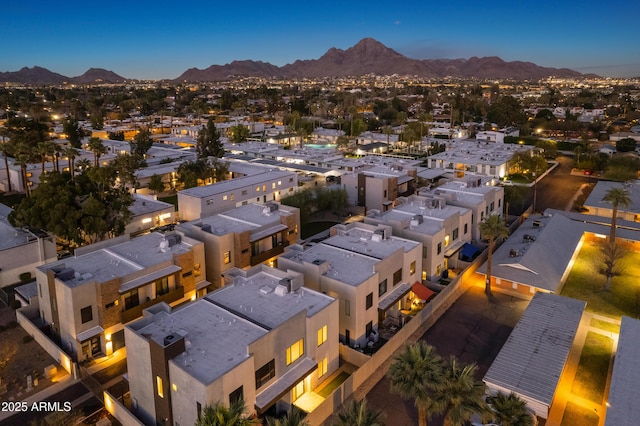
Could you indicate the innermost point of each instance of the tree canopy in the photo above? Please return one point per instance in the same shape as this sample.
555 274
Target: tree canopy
208 142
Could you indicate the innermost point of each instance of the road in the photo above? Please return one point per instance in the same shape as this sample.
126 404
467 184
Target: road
556 190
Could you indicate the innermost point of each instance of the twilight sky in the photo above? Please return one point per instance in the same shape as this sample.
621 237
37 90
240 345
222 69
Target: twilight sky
161 39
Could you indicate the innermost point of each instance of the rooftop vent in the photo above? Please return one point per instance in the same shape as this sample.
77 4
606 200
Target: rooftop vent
171 338
206 227
66 274
281 290
174 239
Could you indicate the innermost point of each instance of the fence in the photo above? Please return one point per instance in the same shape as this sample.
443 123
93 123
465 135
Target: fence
23 316
422 320
119 411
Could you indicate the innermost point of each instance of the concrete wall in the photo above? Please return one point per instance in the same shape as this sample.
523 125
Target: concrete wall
119 411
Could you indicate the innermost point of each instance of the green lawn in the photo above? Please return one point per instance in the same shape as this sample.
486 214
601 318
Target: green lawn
593 368
586 282
172 199
576 415
605 325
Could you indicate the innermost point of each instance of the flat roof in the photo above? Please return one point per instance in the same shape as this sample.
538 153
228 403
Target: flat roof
624 392
532 359
478 152
345 266
362 241
233 184
255 298
215 340
142 206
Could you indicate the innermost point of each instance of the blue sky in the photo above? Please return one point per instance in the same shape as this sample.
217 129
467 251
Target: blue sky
161 39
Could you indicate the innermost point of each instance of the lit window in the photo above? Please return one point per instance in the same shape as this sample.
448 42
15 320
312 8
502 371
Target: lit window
227 257
279 182
159 386
446 240
174 387
257 189
322 367
146 220
233 197
196 270
273 185
264 188
322 335
295 351
224 198
412 268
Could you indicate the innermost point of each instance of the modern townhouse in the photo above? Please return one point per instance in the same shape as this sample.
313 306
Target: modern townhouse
86 299
369 271
442 229
263 338
244 236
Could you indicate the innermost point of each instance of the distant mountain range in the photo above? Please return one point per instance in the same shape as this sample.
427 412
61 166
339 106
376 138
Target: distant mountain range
367 57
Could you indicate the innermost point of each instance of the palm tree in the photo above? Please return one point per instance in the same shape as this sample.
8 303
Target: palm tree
492 228
45 150
71 153
83 164
510 410
95 145
617 197
219 415
356 413
458 395
295 417
22 160
415 372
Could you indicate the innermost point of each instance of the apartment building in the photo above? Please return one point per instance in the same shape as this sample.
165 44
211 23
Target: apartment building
202 201
22 249
474 193
263 338
147 213
597 206
244 236
86 299
441 229
369 271
377 187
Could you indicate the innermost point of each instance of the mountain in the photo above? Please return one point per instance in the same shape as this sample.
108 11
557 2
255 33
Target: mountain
35 75
98 75
368 56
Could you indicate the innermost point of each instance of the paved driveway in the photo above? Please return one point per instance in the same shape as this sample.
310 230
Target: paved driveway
473 330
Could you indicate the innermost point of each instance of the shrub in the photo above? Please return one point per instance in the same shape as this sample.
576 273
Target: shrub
25 277
15 304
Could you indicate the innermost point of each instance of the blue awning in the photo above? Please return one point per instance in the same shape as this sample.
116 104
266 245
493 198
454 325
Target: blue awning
468 252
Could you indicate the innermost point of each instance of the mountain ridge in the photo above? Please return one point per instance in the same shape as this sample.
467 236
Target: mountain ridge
368 56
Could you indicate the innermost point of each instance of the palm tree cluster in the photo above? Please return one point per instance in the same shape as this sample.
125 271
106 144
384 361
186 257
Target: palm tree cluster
611 252
447 387
492 228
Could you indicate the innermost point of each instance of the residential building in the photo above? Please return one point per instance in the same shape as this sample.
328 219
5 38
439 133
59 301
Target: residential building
597 206
377 187
263 338
147 213
86 299
476 157
244 236
474 193
624 394
369 271
22 249
533 358
202 201
441 229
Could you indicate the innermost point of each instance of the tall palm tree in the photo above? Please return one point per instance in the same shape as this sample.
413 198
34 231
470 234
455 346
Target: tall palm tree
356 413
22 160
220 415
510 410
492 228
95 145
295 417
45 150
617 196
415 372
459 395
71 153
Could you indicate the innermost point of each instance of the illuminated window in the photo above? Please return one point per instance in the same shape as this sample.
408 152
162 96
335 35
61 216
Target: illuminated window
227 257
322 335
257 189
273 185
264 188
412 268
159 386
446 240
295 351
233 197
279 182
174 387
224 198
196 270
322 367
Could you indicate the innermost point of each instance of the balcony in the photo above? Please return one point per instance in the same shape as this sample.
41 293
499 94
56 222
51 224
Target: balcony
265 255
135 312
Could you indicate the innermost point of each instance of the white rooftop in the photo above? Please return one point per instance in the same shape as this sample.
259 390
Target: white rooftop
366 242
215 340
233 184
601 188
478 152
257 298
532 359
624 393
